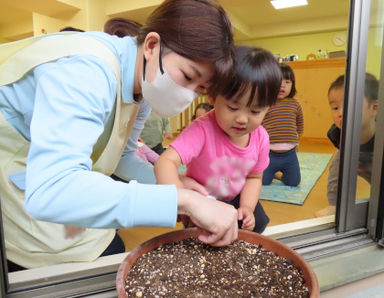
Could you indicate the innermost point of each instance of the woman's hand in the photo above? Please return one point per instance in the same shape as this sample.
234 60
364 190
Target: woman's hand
216 220
168 136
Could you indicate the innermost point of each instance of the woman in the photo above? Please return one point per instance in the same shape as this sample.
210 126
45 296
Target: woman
66 115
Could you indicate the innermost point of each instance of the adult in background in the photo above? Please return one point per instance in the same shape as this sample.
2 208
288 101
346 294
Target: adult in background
156 129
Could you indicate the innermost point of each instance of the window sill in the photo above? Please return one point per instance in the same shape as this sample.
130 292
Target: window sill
332 271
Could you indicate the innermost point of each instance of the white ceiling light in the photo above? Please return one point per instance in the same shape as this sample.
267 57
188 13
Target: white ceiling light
279 4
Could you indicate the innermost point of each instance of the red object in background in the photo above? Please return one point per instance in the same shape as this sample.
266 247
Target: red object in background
43 31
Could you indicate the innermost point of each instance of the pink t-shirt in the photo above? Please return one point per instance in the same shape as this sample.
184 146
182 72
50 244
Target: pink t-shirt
215 162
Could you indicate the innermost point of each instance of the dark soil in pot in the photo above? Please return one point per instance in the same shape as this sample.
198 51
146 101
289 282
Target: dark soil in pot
182 266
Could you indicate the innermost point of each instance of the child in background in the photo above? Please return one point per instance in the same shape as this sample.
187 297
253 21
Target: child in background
201 109
284 123
226 150
146 153
367 136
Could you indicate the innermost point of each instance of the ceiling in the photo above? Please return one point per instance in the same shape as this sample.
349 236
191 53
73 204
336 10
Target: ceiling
12 11
251 18
258 18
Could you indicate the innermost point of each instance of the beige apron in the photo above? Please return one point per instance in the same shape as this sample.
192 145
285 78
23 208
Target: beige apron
29 242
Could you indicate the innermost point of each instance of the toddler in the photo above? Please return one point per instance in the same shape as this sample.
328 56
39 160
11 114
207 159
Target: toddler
226 150
367 136
146 153
284 123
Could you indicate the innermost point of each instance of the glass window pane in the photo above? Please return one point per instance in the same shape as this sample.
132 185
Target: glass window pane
370 102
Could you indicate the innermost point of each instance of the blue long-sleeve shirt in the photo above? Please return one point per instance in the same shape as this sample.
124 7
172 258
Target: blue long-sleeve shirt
61 107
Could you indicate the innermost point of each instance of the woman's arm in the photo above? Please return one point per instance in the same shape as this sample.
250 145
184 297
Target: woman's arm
130 166
66 123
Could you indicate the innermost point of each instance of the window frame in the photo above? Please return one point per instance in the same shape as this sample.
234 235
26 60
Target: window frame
352 214
376 206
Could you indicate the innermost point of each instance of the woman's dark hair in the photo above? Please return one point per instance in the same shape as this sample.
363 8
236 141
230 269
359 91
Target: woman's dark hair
203 105
199 30
122 27
255 69
288 74
69 28
371 89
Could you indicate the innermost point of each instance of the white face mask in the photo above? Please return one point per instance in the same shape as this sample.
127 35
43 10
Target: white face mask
164 96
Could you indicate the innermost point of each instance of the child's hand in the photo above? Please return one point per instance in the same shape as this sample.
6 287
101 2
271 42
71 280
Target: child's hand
168 136
186 220
192 184
246 215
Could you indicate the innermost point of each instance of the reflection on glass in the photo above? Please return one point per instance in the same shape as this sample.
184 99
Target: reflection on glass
369 110
370 103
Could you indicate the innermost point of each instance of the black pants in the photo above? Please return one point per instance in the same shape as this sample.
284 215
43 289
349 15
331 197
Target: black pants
115 247
158 148
287 163
261 218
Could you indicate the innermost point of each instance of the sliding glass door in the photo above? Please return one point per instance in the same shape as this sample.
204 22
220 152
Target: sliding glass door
361 104
375 58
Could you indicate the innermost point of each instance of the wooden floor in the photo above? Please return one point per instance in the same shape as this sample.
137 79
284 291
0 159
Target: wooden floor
279 213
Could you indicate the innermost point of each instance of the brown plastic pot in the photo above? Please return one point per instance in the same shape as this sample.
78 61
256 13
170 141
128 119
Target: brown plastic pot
268 243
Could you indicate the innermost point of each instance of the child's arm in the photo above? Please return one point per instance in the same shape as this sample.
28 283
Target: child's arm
166 171
248 200
298 142
151 155
166 168
299 124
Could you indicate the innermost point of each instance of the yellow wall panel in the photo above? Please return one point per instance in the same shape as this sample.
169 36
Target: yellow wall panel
301 44
313 79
